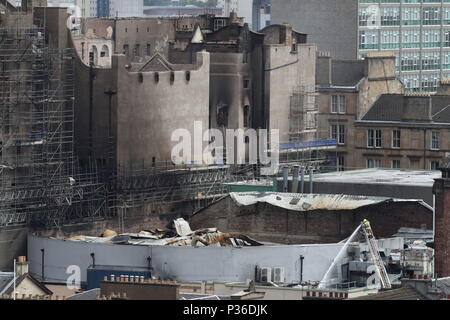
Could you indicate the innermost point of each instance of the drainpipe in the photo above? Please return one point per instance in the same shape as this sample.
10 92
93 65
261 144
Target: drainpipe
311 180
301 268
295 179
91 104
93 259
285 179
149 264
424 149
43 264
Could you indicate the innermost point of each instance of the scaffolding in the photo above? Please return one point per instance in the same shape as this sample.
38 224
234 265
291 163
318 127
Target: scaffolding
38 180
309 148
304 110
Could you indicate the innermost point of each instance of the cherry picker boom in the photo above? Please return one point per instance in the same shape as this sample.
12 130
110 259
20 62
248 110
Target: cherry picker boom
375 253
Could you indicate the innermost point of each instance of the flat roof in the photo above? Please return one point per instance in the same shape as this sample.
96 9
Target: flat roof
381 176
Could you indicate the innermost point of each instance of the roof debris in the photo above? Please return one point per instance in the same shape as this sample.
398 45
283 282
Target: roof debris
181 236
309 202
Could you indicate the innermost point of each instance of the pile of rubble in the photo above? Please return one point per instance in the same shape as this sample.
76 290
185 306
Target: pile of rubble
180 235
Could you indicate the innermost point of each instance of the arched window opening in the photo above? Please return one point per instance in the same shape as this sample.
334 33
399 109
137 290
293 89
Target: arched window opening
105 52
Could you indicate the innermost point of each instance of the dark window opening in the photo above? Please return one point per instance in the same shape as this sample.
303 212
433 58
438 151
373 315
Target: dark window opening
156 77
125 49
246 116
245 57
294 47
188 75
137 50
172 77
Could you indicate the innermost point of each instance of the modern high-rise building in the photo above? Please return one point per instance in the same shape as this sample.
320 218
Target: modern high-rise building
417 31
103 8
69 4
126 8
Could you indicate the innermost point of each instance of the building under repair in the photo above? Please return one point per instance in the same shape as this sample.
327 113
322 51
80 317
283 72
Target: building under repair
40 184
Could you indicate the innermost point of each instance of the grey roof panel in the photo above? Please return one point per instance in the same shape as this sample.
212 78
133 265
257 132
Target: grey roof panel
6 279
86 295
389 107
346 72
395 294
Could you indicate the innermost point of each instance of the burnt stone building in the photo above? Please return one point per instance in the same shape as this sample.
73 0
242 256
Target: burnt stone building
255 77
310 218
236 74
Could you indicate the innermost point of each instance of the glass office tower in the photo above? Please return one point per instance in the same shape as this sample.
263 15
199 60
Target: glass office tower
418 31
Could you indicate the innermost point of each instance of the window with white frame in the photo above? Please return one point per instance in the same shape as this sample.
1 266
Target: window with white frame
337 132
434 165
395 164
338 104
374 138
435 140
396 137
373 163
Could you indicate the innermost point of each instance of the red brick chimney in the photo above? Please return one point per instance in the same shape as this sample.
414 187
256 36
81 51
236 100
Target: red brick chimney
441 190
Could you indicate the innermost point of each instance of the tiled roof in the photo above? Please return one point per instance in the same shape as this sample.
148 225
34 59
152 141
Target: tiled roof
389 107
444 285
86 295
346 73
198 296
394 294
5 281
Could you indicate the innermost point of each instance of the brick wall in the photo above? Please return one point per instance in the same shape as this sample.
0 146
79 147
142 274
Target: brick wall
442 228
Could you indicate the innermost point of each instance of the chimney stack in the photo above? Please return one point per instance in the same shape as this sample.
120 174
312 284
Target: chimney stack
22 266
441 190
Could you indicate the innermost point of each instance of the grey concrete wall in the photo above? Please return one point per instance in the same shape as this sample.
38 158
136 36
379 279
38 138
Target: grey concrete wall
331 24
181 263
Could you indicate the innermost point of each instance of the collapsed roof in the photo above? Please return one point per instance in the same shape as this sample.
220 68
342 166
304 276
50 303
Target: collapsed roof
309 202
181 236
